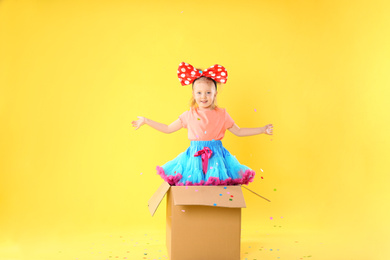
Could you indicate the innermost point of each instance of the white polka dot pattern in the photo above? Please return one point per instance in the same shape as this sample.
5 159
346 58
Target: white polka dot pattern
187 71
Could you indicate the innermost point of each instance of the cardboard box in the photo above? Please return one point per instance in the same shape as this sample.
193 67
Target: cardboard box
203 222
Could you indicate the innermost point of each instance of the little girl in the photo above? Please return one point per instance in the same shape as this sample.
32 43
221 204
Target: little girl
206 161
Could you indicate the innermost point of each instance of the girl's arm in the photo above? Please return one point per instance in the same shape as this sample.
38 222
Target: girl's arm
268 129
175 126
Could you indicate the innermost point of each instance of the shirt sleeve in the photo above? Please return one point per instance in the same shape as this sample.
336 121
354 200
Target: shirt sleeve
184 119
229 122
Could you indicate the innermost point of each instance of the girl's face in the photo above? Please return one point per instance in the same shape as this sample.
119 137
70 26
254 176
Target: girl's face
204 93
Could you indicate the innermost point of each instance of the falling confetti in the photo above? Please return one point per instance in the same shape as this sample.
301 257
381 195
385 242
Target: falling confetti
271 218
261 170
205 132
255 109
183 210
274 189
198 118
220 194
215 204
262 177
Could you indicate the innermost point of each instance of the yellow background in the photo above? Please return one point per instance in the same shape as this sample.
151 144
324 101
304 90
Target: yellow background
75 177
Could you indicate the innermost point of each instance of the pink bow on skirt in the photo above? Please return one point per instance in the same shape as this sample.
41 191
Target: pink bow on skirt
206 155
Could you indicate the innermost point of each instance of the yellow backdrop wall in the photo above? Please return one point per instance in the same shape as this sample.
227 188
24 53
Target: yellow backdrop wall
74 74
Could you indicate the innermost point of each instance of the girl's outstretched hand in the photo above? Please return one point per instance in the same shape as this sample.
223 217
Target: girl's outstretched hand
269 129
137 124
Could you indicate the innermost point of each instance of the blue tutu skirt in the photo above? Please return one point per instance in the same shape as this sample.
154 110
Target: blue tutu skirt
222 167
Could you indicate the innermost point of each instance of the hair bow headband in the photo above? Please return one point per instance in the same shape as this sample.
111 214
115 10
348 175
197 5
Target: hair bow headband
187 73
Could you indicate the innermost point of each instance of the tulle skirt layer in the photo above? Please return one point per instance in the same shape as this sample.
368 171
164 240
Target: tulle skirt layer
222 169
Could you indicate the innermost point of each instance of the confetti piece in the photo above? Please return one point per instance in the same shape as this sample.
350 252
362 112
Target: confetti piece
220 194
271 218
141 173
196 190
215 204
231 196
198 118
231 199
228 192
274 189
225 188
255 109
205 132
189 176
261 170
183 210
262 177
211 167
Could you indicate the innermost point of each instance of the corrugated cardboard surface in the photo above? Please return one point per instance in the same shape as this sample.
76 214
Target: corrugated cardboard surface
203 222
202 232
216 196
157 197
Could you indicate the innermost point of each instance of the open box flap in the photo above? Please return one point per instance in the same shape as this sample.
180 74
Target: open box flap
219 196
256 193
157 197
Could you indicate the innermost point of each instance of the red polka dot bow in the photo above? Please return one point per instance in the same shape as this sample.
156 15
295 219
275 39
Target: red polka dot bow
187 73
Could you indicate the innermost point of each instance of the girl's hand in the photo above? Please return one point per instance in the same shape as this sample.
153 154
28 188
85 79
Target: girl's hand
268 129
141 121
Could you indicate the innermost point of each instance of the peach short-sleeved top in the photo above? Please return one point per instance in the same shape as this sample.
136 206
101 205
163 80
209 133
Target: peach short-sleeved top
206 125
